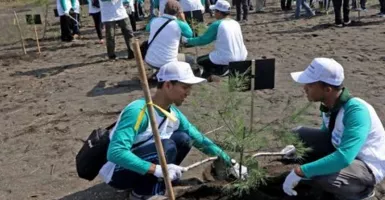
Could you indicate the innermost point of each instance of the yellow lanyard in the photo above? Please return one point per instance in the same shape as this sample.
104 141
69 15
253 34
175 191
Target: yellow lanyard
143 111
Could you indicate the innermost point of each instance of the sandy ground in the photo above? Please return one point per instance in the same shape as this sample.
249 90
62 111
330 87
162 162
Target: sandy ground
49 103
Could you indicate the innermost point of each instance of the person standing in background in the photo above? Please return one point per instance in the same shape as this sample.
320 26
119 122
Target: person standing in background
64 7
299 5
139 10
113 12
286 5
193 9
242 4
129 5
382 9
75 26
94 11
337 4
362 5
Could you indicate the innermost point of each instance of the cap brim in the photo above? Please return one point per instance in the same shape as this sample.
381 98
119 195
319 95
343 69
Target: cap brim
193 80
212 7
301 77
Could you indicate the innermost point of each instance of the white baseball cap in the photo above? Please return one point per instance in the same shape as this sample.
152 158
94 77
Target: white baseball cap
321 69
178 71
221 5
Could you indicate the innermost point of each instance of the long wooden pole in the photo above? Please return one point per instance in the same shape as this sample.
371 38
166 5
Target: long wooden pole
37 40
252 95
154 125
21 35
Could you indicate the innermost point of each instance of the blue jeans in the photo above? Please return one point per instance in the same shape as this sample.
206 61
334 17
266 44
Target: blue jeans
176 148
302 3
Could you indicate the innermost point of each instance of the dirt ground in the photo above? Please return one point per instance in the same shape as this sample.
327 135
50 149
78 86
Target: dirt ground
48 103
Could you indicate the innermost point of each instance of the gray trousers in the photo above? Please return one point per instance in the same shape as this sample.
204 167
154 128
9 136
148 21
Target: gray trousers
125 27
351 183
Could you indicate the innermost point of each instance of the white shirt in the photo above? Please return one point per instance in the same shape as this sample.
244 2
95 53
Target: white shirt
162 5
164 48
68 5
191 5
373 151
229 44
112 11
92 9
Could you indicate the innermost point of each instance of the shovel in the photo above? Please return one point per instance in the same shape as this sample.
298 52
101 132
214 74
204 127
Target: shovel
288 151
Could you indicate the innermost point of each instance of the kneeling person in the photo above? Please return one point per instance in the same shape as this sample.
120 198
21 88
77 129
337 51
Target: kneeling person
228 38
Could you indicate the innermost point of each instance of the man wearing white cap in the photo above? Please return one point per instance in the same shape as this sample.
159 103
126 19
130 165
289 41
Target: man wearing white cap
228 38
132 156
348 151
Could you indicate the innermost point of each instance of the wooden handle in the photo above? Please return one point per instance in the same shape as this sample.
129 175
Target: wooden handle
154 125
21 35
37 41
252 96
200 162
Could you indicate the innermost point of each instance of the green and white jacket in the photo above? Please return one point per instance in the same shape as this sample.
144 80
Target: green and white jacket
358 134
64 6
164 48
124 135
228 38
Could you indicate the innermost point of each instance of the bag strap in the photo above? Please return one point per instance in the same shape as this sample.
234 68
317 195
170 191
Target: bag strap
142 142
111 126
333 117
334 113
158 31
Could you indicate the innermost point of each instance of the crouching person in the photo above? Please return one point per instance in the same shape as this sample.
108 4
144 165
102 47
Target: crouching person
165 45
133 162
228 38
348 151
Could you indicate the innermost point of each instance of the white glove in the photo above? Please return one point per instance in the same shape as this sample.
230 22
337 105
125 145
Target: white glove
67 13
174 171
235 170
184 40
290 182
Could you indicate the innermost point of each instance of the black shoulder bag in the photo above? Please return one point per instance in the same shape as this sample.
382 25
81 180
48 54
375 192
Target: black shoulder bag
145 45
93 154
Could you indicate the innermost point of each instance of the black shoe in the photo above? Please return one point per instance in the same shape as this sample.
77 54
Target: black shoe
347 23
130 55
113 57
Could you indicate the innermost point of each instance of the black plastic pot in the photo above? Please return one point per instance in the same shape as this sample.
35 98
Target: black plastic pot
56 12
33 19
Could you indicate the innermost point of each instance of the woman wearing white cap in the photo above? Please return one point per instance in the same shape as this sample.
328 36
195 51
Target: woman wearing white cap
348 151
133 162
228 38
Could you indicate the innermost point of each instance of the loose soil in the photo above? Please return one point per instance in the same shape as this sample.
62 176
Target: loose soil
48 103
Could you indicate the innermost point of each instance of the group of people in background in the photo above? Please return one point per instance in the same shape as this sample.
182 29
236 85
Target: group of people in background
108 14
341 9
165 46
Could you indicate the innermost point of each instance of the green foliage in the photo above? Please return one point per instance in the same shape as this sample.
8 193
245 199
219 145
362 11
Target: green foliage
198 27
230 107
